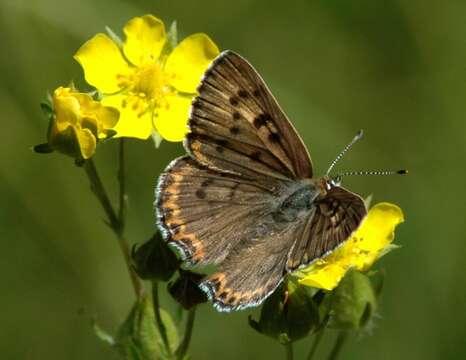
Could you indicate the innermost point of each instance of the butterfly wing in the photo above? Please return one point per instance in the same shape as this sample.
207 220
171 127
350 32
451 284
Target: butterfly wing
205 213
332 221
237 125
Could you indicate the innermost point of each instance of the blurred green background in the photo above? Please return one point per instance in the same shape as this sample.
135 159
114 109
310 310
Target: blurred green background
396 69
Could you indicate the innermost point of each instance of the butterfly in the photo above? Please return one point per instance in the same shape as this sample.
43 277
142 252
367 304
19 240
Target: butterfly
245 197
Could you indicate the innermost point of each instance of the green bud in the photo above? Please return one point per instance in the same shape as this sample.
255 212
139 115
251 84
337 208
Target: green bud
139 338
185 290
154 260
352 303
288 314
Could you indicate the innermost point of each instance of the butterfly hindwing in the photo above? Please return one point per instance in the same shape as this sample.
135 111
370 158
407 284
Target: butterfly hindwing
237 125
332 221
253 270
205 213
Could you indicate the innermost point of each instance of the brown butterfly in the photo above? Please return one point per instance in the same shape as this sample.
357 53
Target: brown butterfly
245 198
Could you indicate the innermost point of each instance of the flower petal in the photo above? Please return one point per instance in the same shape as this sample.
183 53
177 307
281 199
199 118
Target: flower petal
145 38
66 108
102 62
130 124
326 277
189 60
87 143
106 117
171 120
377 229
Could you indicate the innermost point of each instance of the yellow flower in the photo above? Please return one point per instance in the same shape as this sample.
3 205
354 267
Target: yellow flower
78 123
149 87
370 241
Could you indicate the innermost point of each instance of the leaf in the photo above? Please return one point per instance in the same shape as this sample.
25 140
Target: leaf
156 138
102 334
116 39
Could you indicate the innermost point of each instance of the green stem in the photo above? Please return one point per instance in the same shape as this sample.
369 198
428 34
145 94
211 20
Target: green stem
318 337
121 180
113 220
158 318
341 339
289 351
183 348
315 344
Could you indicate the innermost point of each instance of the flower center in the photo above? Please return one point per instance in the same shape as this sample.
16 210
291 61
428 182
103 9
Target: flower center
146 87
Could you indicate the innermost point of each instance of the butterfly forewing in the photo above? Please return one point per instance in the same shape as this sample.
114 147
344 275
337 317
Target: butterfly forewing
235 111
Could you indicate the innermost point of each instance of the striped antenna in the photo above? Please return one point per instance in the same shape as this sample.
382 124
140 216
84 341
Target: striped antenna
363 173
347 147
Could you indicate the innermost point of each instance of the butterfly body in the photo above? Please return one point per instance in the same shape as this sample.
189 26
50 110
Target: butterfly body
245 198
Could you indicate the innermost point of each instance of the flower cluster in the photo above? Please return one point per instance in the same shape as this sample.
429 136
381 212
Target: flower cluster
143 86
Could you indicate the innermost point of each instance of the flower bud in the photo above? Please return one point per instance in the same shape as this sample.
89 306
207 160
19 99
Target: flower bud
77 123
288 314
352 303
185 290
154 260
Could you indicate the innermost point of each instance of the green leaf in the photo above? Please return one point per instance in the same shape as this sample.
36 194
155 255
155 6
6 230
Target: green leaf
43 148
156 138
46 109
102 334
116 39
172 35
138 336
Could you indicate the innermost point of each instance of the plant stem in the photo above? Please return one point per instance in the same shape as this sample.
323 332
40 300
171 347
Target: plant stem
113 219
158 318
183 348
289 351
341 339
316 343
318 337
121 180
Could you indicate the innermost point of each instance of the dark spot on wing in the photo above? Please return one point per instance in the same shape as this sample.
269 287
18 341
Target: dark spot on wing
256 93
236 115
234 130
255 155
274 137
243 93
234 101
200 194
206 183
261 120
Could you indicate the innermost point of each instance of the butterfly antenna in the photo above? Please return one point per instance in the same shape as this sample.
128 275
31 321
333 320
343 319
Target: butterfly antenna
364 173
343 152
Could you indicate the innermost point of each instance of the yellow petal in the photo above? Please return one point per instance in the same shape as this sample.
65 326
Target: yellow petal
171 120
103 63
130 123
66 108
87 143
326 277
145 38
378 228
105 117
377 231
189 60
